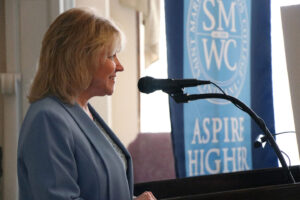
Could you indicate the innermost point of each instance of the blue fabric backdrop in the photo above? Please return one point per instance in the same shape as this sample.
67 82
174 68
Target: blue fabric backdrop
227 42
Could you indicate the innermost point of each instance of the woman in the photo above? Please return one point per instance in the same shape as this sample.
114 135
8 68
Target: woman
66 151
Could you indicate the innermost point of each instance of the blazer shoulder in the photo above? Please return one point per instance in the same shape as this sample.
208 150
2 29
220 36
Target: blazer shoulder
46 108
43 118
49 105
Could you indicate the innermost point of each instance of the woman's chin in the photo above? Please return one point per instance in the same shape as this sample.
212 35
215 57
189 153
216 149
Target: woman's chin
110 92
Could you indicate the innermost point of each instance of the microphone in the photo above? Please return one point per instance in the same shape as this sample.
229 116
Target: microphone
148 84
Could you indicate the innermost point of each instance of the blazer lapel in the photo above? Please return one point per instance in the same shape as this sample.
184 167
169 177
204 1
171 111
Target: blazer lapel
87 126
119 143
91 130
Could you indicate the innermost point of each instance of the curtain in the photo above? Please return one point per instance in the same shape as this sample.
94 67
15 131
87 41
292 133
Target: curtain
228 43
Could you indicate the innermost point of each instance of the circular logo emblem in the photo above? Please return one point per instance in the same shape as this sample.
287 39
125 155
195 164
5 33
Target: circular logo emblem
217 38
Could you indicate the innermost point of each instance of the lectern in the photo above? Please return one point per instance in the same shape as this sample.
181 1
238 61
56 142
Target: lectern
271 183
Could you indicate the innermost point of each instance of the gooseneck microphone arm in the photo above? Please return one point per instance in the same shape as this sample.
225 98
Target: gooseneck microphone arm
183 98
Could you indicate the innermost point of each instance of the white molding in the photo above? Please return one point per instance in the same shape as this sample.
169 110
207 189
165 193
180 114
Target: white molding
9 83
12 107
25 24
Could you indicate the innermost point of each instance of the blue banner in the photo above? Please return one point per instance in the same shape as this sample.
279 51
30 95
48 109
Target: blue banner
213 40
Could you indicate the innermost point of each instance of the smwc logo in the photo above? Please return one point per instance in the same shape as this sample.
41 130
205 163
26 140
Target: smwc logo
217 38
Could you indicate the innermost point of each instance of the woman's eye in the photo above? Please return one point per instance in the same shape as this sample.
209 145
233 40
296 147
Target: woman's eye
112 57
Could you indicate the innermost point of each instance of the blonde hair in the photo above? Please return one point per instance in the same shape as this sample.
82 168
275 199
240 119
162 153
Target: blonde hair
70 50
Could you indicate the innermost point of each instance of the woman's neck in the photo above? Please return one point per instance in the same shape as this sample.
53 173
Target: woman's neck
82 100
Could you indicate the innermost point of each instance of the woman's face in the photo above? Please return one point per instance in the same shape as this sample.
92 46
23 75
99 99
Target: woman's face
104 77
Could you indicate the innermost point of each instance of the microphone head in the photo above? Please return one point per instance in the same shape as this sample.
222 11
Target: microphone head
145 85
171 86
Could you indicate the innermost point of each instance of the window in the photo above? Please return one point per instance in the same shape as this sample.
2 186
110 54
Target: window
154 107
284 120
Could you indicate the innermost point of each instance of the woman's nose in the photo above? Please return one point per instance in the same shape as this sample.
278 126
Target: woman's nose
119 66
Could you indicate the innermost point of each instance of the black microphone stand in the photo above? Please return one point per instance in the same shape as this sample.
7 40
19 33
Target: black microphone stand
180 97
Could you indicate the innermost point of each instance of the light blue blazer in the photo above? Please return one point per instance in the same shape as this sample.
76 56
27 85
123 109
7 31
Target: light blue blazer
62 154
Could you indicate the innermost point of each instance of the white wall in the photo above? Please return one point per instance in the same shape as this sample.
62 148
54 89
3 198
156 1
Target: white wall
125 113
120 110
101 104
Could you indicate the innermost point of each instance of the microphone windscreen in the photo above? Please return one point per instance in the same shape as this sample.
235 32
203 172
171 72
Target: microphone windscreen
145 84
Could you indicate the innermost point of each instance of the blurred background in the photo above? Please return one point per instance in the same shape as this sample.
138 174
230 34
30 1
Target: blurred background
129 113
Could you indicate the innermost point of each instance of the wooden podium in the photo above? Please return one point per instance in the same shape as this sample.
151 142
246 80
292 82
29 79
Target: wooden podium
271 183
